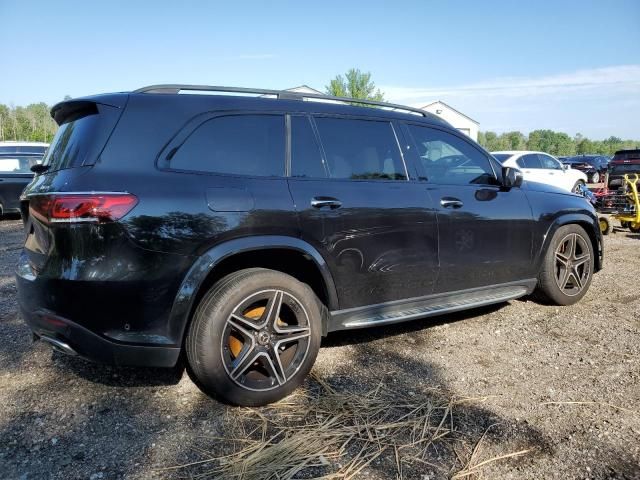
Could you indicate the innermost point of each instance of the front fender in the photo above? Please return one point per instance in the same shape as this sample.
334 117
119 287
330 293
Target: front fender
587 221
207 262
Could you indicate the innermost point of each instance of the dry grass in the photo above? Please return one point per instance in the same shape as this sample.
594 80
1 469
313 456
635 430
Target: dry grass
323 433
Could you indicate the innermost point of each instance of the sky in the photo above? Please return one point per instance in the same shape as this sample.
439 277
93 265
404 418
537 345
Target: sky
571 66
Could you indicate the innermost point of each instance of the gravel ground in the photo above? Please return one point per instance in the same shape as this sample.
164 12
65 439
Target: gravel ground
65 418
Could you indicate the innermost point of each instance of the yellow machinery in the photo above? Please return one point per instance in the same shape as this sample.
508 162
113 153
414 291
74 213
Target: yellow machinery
630 216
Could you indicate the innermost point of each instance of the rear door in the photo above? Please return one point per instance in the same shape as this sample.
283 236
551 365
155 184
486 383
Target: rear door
555 174
531 168
372 222
485 230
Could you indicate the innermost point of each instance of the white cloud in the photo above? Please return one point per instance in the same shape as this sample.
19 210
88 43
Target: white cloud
597 102
623 79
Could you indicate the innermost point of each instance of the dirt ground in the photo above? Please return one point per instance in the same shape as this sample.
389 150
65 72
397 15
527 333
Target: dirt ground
520 364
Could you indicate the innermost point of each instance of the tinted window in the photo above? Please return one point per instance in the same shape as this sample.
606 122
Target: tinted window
529 161
360 149
235 144
79 140
548 162
448 159
306 160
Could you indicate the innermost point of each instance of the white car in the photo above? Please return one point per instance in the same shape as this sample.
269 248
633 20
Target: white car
541 167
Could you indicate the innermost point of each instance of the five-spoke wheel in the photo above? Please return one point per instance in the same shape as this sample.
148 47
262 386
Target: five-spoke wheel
567 267
573 267
265 340
254 337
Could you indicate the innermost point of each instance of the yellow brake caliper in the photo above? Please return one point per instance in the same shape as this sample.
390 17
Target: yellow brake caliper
235 344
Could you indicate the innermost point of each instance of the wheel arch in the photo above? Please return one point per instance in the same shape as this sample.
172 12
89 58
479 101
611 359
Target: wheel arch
289 255
590 225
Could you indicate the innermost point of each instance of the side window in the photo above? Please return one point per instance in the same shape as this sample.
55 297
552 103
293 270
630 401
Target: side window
360 149
549 163
448 159
235 144
306 160
529 161
16 164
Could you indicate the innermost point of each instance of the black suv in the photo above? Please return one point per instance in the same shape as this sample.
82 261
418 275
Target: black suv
241 230
594 166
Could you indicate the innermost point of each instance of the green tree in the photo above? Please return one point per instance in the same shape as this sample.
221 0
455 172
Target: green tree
355 84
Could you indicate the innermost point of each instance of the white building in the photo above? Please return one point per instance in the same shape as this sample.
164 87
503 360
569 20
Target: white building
305 89
459 120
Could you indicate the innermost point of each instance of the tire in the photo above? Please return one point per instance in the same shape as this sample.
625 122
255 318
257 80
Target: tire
576 187
635 228
606 227
254 337
595 178
553 274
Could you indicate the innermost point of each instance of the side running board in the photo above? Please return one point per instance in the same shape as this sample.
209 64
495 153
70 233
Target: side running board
404 310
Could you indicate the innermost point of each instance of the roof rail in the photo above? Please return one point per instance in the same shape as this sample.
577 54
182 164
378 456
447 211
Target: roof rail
280 94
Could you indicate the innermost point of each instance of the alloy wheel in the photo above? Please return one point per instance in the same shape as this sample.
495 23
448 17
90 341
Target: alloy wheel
265 340
572 264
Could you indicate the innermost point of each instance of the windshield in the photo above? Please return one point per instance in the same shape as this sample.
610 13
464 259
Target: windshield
625 168
630 155
502 157
18 163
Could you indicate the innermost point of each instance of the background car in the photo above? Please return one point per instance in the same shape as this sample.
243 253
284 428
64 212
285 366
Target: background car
16 160
541 167
594 166
623 162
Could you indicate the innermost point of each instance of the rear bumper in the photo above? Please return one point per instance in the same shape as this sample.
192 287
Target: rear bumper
72 338
78 318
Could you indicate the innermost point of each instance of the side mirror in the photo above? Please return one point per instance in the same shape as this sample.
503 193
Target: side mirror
511 177
565 167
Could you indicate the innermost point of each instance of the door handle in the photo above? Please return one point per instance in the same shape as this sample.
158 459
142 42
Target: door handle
447 202
319 202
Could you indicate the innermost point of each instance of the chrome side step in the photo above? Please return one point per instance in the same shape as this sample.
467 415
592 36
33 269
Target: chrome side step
59 345
401 311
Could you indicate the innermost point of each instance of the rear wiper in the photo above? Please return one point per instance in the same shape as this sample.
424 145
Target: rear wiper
39 168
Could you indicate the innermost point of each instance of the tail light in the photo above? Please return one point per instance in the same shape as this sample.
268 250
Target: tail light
81 207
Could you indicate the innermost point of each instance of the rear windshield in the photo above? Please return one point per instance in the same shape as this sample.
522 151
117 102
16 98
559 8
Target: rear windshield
502 157
80 140
631 155
18 163
625 168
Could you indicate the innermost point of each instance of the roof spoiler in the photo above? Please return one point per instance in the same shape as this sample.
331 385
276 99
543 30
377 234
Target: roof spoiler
67 110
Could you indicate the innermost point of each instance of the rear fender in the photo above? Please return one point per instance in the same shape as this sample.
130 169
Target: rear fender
205 264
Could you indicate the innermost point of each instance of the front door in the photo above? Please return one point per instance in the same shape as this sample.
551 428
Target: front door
485 230
374 226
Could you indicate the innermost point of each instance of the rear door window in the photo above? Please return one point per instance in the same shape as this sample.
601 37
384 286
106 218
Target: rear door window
360 149
445 158
529 161
549 163
234 144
